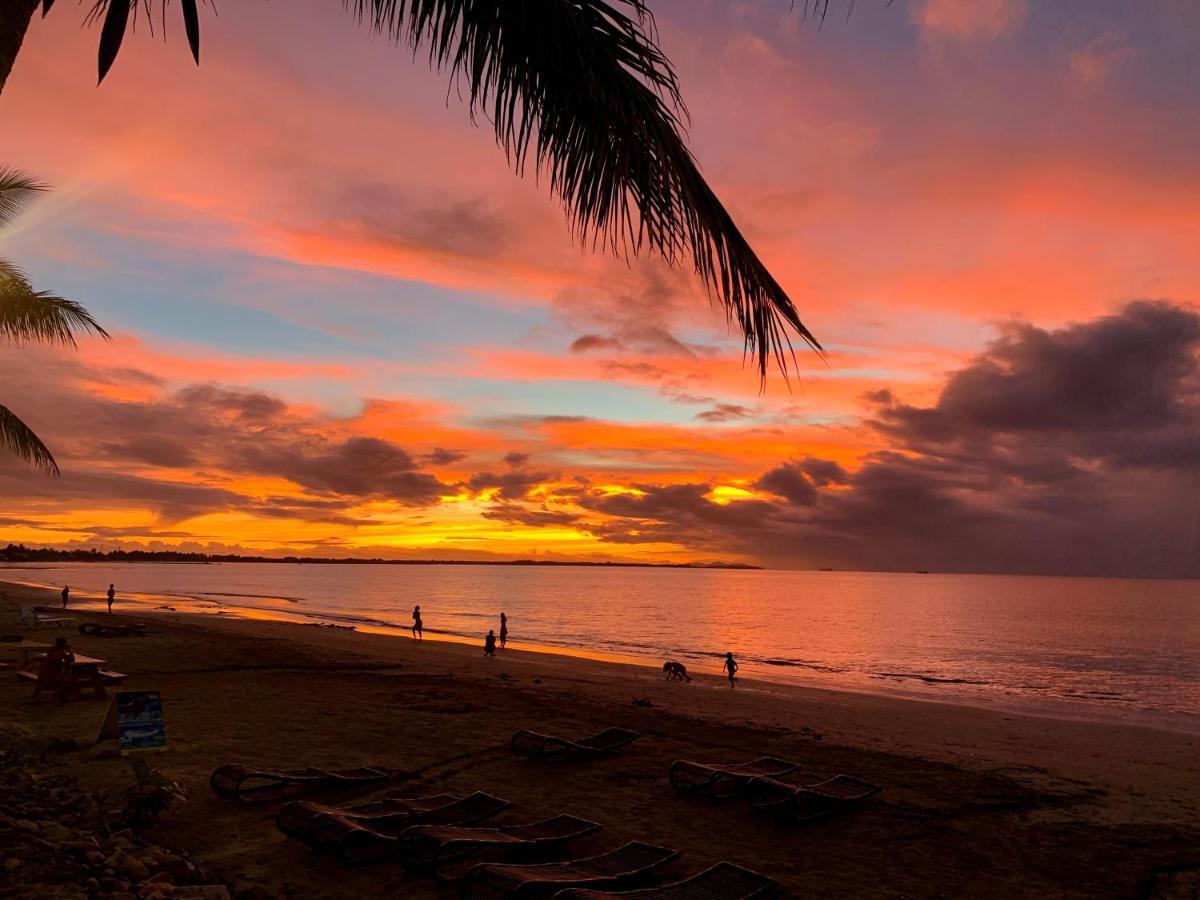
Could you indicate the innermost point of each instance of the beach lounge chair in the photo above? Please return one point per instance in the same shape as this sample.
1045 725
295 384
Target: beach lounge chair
297 815
251 785
492 881
34 619
359 841
721 782
532 745
724 881
428 847
809 802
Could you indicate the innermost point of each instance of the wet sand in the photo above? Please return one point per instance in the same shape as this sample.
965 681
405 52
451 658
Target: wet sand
974 802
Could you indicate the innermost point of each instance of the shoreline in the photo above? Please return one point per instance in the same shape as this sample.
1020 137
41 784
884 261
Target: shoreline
1053 709
975 802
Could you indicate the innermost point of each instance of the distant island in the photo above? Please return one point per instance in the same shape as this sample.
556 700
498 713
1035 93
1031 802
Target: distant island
21 553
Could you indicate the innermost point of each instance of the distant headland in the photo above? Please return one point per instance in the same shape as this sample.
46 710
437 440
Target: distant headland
21 553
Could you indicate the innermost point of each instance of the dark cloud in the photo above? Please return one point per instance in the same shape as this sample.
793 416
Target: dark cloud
1070 451
516 458
210 432
637 314
524 514
463 226
789 482
513 485
725 412
586 342
440 456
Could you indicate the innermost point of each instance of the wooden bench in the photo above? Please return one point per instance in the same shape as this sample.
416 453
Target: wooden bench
101 678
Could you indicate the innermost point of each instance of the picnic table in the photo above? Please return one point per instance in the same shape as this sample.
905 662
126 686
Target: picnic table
25 649
86 671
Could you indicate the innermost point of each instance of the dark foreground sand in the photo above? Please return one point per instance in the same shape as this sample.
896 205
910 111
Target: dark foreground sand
975 803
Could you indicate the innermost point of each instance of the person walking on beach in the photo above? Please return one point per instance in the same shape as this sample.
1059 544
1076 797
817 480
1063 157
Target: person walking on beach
66 595
731 668
111 594
489 643
503 630
418 634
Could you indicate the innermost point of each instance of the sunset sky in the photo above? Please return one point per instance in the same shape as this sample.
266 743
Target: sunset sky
342 326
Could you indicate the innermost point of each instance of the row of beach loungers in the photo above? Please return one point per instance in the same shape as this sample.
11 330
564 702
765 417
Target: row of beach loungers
440 836
430 834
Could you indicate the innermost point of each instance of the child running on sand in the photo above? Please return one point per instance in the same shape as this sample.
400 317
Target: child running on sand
503 630
66 593
111 595
731 667
489 643
418 634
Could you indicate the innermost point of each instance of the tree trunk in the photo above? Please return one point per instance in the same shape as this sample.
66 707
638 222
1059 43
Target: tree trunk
15 16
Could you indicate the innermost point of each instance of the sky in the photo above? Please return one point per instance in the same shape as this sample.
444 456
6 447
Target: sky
343 327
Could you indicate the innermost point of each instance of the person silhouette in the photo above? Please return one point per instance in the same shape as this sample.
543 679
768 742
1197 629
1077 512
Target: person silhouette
66 594
111 594
676 671
489 643
731 668
417 632
503 630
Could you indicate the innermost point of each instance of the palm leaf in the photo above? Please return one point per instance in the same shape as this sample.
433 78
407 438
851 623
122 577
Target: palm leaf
582 88
39 316
16 192
18 438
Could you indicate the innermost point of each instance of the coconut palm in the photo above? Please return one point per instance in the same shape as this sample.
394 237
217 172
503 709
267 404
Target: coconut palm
578 90
31 315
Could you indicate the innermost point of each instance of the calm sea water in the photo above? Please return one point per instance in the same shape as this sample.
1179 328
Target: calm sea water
1079 647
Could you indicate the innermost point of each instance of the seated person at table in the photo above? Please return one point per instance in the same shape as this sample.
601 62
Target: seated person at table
56 665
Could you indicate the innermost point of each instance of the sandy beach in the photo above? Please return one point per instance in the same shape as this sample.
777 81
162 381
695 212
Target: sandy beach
974 802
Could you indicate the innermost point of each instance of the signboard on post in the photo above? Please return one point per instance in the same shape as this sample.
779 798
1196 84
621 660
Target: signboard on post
135 719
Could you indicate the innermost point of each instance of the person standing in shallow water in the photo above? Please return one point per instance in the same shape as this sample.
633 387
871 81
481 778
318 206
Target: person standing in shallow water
503 630
418 634
66 594
731 668
489 643
111 595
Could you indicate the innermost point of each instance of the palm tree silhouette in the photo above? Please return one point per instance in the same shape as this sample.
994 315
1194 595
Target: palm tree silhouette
30 315
580 91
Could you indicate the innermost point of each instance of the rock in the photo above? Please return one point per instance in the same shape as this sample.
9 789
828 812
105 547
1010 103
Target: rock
178 868
12 864
90 885
95 858
52 831
133 868
254 893
122 895
26 825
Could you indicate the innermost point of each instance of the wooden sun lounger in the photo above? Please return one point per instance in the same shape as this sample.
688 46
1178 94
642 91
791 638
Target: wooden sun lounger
428 847
721 782
532 745
251 785
493 881
357 842
35 619
298 815
809 802
724 881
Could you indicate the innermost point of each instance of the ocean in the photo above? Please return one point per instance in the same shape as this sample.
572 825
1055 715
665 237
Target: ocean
1101 649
